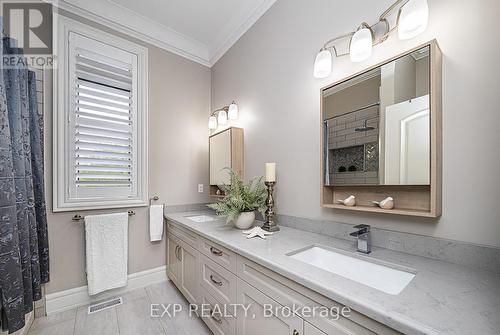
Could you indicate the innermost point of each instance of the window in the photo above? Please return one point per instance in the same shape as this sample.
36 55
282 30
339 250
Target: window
100 129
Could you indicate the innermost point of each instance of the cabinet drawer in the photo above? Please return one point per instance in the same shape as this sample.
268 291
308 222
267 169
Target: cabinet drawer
183 233
311 330
288 293
218 324
217 281
218 254
257 320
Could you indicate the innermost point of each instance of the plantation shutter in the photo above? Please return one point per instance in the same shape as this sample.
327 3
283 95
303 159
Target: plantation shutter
102 121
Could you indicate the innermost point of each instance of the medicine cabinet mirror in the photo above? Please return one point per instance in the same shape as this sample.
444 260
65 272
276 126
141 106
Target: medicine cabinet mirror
226 151
381 135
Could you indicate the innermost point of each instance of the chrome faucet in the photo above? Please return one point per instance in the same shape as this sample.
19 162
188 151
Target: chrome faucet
364 240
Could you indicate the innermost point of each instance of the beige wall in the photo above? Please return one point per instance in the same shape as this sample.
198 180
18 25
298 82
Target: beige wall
179 102
422 76
269 72
405 81
351 98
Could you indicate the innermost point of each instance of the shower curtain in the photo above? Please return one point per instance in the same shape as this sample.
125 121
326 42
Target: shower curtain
24 252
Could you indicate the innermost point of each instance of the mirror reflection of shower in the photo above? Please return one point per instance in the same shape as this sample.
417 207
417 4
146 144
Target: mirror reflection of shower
365 127
351 156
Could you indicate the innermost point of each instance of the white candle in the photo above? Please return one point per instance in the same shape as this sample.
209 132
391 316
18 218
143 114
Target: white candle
270 172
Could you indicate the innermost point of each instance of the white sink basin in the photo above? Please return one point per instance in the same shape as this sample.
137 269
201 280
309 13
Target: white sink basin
200 218
388 278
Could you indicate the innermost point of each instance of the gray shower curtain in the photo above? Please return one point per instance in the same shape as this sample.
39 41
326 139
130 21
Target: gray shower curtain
24 252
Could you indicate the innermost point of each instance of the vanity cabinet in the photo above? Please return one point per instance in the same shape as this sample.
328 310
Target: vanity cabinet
210 274
189 281
183 261
218 324
272 323
182 267
311 330
225 151
219 282
289 293
220 255
174 269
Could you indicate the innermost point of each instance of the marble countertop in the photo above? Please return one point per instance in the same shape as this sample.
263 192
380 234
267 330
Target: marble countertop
443 298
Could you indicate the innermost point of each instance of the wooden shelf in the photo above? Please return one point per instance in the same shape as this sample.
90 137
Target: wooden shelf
213 192
373 209
413 200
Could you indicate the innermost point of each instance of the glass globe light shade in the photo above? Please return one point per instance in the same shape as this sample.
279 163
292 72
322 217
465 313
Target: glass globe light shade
361 45
222 117
413 19
232 112
323 64
212 123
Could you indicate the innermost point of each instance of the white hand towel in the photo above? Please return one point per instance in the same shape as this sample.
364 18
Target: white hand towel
106 251
155 222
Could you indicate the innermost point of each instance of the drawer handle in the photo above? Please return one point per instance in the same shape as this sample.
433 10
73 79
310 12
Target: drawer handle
295 332
215 281
215 251
177 252
219 321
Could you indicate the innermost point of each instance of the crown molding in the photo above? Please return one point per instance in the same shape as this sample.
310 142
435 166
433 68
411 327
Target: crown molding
131 23
234 32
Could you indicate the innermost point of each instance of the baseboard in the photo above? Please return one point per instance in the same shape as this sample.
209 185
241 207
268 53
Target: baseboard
75 297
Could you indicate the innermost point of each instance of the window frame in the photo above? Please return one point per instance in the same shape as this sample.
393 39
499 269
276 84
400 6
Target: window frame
62 90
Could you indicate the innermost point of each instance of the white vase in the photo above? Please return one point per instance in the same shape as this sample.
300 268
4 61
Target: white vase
245 220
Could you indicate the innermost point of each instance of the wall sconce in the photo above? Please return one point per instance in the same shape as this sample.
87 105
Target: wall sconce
412 19
220 116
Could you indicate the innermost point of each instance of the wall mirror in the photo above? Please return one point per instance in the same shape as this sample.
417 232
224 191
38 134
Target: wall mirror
380 133
225 151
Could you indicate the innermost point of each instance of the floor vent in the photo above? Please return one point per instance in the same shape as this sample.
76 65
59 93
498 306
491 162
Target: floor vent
105 304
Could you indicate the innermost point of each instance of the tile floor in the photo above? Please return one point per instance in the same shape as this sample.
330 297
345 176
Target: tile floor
130 318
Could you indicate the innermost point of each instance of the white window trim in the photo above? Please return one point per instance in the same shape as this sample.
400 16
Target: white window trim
61 141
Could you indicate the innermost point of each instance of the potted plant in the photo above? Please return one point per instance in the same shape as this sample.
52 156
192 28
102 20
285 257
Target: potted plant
241 201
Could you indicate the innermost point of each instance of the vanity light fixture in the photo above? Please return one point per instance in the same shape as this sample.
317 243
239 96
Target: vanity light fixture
221 116
412 19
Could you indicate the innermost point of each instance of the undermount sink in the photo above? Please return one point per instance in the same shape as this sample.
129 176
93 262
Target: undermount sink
388 278
201 218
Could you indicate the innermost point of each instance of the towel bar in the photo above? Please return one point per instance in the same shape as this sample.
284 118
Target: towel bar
155 198
78 217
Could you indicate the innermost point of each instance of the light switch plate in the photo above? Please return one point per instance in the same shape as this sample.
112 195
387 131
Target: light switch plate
200 188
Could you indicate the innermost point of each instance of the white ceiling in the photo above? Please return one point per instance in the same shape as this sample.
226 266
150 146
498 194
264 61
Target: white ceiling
201 30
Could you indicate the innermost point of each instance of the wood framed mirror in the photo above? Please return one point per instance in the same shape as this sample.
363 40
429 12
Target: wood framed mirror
381 135
225 151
